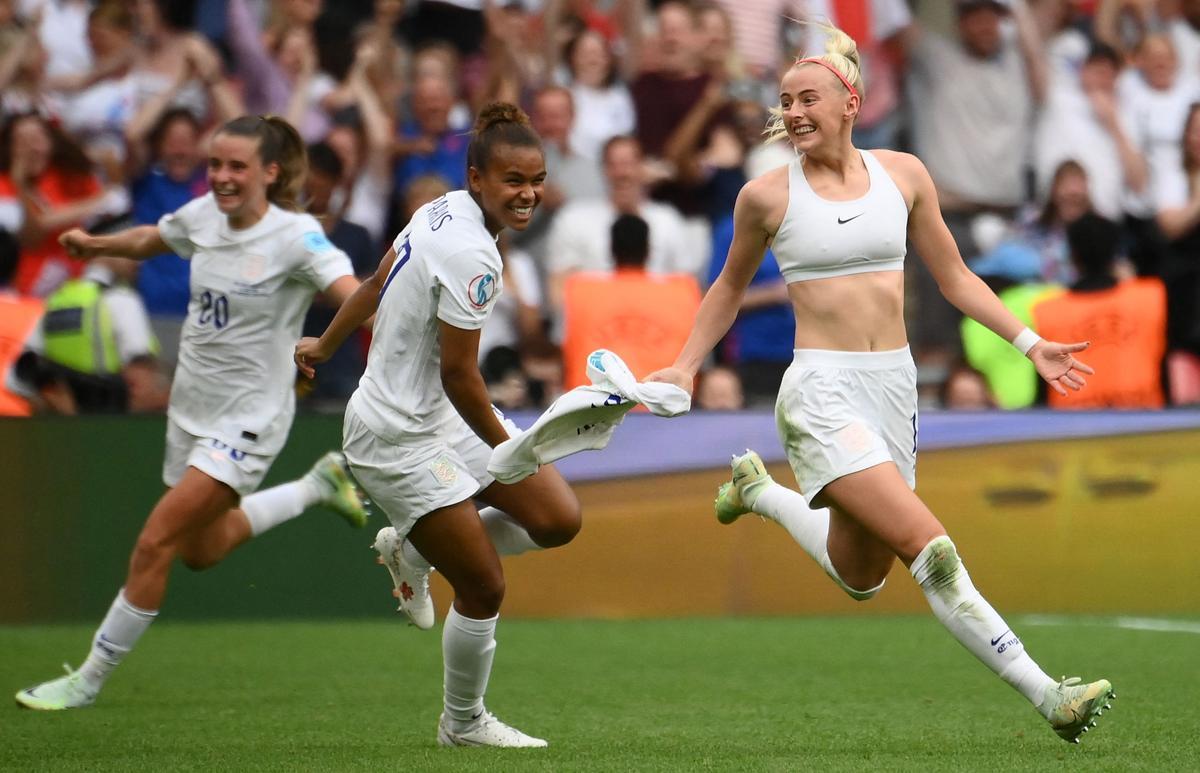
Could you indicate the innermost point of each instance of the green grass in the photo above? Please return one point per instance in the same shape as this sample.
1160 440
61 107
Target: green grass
855 694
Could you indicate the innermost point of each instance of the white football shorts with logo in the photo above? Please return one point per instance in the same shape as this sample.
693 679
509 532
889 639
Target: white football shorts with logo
241 470
843 412
410 479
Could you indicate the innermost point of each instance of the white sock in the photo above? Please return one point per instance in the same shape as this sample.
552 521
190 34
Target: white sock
271 507
121 628
809 527
508 536
965 613
468 647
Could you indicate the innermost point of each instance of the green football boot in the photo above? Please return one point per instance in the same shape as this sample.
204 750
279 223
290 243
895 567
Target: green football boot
749 478
1072 707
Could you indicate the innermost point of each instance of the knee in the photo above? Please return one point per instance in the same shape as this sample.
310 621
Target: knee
937 565
150 553
873 582
483 595
557 526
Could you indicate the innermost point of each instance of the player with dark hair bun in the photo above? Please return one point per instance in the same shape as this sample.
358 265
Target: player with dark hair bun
420 428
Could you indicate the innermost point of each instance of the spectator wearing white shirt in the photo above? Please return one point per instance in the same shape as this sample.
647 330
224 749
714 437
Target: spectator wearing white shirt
579 238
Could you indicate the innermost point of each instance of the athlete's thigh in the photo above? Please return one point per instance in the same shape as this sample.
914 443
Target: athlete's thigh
195 501
452 539
545 494
854 550
880 501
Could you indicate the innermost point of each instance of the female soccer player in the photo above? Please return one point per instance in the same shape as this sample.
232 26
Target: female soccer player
420 428
837 219
255 267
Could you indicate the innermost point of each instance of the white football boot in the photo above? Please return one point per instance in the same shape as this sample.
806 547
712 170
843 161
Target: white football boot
411 584
487 731
66 692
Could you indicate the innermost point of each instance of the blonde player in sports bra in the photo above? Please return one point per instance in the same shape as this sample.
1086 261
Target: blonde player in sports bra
837 219
420 428
255 267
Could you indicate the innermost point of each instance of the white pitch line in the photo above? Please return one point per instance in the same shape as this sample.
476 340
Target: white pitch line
1128 623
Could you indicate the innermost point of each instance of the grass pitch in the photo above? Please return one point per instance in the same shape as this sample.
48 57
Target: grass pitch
828 694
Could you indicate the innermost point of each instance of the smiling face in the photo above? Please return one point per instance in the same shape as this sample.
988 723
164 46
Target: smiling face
510 186
32 143
816 107
590 60
239 179
177 150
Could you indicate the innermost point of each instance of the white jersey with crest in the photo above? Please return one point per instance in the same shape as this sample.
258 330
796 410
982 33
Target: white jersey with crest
250 289
447 268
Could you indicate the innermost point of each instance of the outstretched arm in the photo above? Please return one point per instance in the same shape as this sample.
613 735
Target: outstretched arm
720 306
929 234
137 243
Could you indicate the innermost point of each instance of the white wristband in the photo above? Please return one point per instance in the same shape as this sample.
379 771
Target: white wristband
1025 341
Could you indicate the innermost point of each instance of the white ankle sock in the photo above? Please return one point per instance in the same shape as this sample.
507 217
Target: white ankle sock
271 507
468 647
508 536
118 632
968 616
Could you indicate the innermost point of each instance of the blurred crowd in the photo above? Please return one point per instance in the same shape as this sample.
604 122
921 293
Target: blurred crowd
1063 136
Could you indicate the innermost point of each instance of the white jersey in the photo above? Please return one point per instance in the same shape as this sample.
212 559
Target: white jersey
250 290
447 268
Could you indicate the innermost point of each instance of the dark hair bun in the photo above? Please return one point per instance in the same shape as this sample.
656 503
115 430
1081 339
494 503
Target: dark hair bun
495 113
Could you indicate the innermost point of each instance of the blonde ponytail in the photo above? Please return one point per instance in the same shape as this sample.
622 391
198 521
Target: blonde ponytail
841 56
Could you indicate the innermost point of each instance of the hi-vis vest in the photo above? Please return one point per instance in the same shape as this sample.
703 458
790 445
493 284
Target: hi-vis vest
78 329
1127 326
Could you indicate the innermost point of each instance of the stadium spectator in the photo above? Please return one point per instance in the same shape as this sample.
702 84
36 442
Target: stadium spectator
579 237
1179 222
719 389
971 101
284 80
1044 229
429 142
171 63
19 315
1124 321
965 389
93 351
176 175
47 186
1081 123
761 343
423 397
340 376
232 401
838 220
644 318
603 106
570 176
23 74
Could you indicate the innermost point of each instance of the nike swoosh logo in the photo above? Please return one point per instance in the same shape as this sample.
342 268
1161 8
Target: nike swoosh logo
476 716
847 220
1001 636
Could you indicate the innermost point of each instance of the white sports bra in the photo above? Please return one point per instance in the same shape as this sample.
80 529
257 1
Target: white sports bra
819 238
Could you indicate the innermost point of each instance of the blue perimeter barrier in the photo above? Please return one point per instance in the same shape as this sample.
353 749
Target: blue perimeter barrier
644 445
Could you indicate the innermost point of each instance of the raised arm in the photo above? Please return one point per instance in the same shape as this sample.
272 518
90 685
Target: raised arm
1033 49
138 243
930 236
720 306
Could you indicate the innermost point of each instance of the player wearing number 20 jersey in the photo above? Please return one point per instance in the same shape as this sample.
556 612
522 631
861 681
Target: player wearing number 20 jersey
447 268
250 289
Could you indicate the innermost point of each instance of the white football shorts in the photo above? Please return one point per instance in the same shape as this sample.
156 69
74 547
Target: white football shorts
409 480
842 412
241 470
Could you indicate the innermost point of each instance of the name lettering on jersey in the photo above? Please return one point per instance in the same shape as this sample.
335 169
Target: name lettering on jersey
439 213
481 290
315 241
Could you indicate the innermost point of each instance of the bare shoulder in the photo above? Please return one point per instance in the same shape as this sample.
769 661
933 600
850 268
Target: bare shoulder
765 197
899 164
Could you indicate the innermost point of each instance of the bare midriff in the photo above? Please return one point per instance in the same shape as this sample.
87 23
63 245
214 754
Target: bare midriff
854 313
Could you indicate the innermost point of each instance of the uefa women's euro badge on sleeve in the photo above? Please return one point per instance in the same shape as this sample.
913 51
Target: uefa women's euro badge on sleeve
585 418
